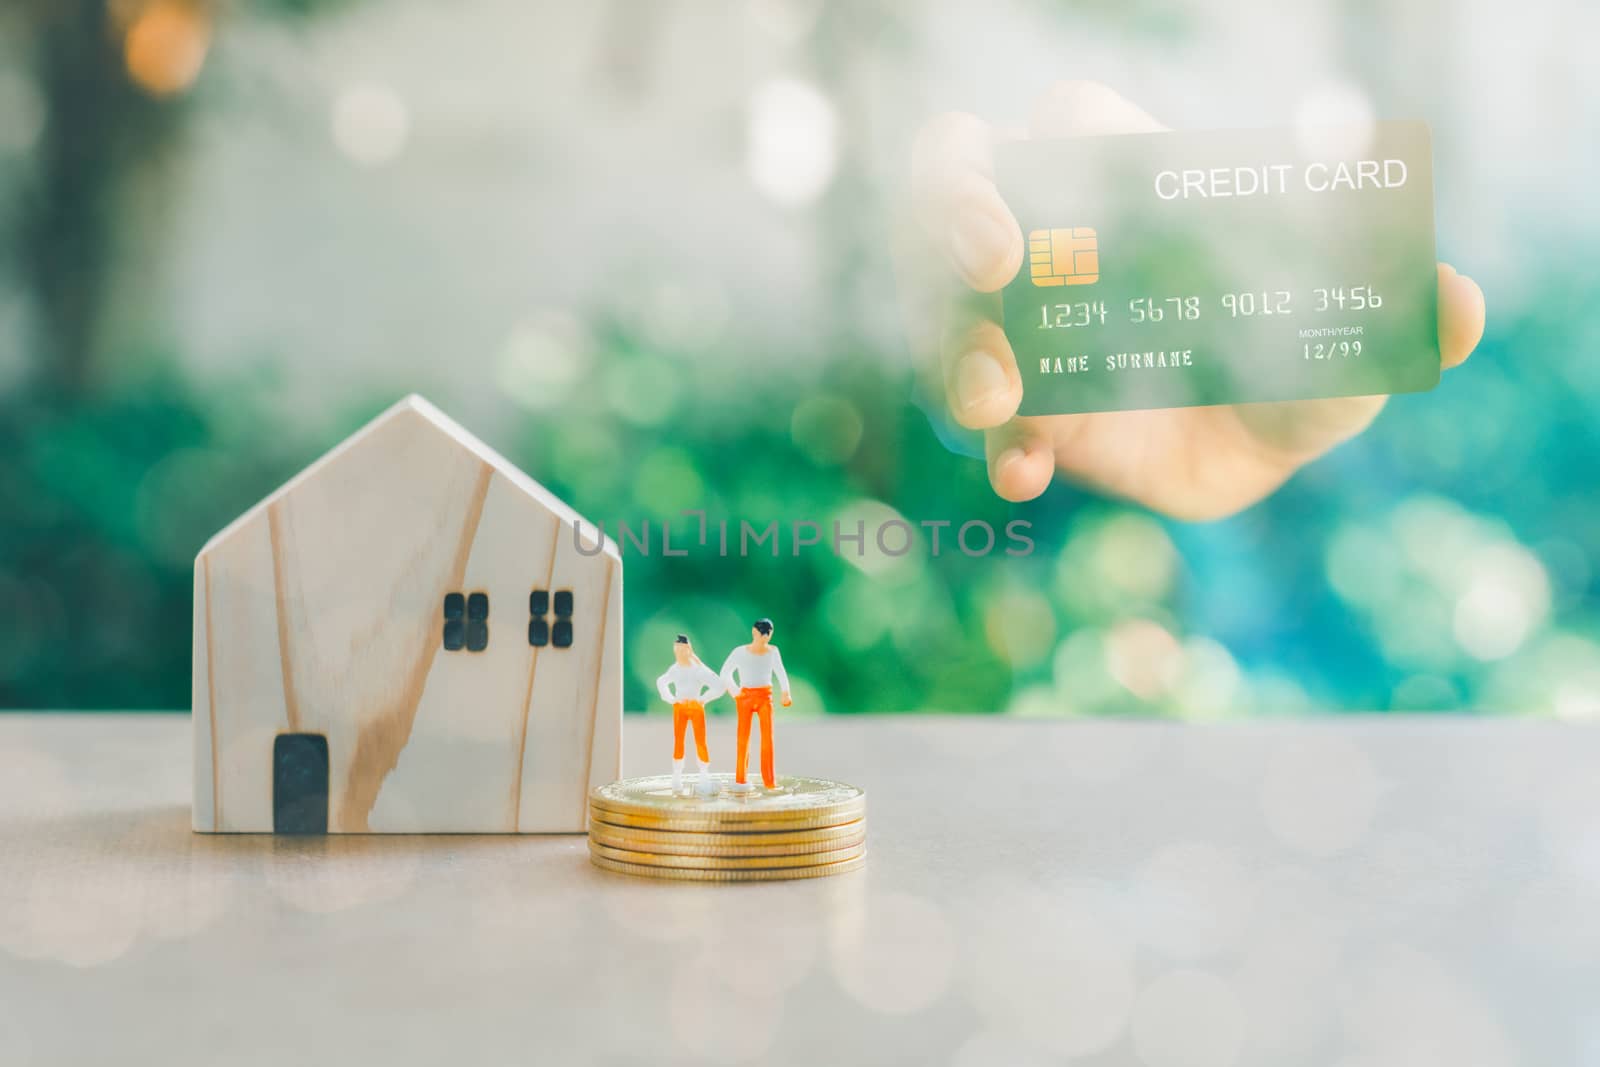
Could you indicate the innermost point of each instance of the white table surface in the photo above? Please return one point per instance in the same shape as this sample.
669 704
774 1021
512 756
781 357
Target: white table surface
1353 893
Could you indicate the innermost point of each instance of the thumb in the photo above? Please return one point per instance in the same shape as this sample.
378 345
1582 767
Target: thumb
1086 109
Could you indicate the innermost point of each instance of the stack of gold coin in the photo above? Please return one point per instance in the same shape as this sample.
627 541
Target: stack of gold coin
721 832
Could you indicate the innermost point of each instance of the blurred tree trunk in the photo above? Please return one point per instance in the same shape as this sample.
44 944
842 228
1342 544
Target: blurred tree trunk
97 124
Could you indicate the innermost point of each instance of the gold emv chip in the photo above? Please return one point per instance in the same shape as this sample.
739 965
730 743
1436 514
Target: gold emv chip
1065 256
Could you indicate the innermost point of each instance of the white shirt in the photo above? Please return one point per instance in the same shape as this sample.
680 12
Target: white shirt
681 683
754 671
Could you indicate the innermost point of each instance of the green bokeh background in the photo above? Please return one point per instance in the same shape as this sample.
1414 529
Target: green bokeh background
1444 560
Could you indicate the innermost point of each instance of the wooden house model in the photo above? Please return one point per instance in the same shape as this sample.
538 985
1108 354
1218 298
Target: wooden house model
411 636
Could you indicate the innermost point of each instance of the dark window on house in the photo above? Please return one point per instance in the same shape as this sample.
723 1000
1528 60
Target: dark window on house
477 622
541 631
466 622
455 626
300 784
561 632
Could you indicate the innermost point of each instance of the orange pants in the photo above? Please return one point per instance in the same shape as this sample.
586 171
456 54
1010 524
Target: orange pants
755 701
683 713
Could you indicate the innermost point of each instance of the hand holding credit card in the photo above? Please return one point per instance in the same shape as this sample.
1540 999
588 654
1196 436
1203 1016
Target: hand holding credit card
1180 269
1177 281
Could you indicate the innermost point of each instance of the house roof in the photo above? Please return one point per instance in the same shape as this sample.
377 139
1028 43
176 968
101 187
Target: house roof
416 405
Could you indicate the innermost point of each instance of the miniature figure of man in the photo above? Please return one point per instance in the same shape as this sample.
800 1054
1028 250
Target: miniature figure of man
687 685
755 665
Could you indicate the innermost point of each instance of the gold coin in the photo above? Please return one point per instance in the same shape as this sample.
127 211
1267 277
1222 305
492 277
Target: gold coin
677 843
761 874
737 836
663 824
804 800
726 863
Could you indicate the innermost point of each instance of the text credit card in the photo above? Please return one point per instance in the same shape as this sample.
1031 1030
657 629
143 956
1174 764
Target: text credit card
1177 269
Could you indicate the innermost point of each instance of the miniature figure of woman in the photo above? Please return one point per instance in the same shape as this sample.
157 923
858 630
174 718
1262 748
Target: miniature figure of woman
687 686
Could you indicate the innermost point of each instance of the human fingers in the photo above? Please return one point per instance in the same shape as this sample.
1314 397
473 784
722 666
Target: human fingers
959 209
982 384
1021 460
1461 316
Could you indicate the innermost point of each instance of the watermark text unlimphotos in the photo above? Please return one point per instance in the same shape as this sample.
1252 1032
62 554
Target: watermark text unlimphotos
778 537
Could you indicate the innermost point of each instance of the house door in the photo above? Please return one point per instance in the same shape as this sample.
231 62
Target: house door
300 784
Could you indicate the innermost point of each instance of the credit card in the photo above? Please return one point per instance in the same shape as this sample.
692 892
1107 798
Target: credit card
1180 269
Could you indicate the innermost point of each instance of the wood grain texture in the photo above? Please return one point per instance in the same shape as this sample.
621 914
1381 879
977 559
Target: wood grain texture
527 698
588 741
321 610
207 804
